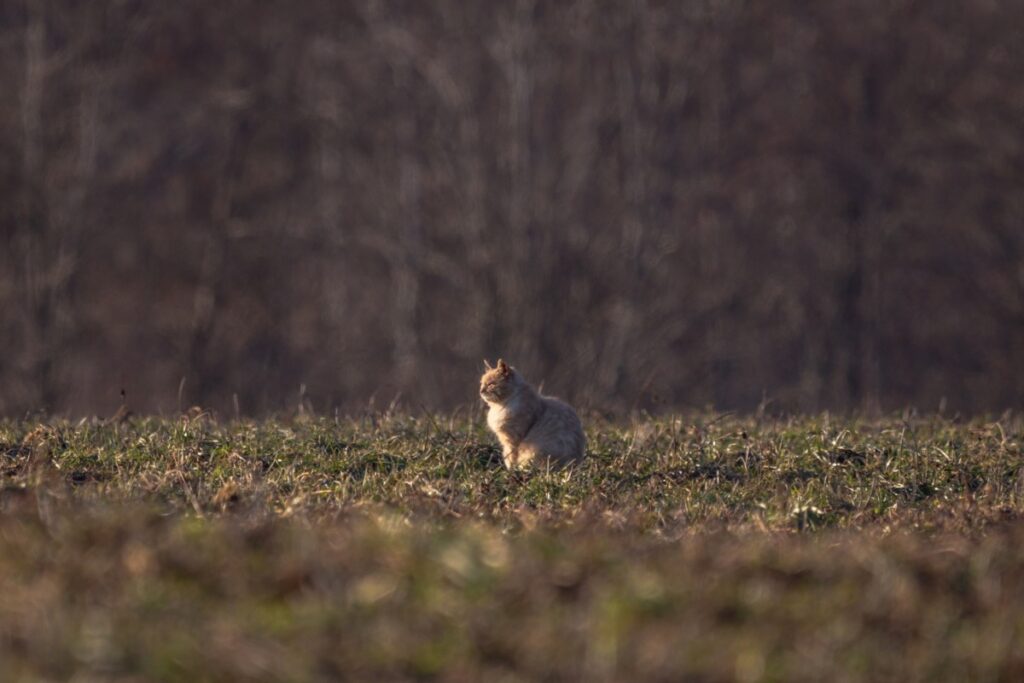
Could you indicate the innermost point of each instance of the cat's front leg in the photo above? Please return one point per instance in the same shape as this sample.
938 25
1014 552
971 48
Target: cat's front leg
511 456
509 448
519 457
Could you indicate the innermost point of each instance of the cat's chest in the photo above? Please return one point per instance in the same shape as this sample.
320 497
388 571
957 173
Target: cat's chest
496 418
505 419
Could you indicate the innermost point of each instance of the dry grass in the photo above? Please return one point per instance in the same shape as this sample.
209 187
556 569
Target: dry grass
396 548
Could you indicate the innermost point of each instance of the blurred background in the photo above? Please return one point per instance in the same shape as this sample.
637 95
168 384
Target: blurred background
645 205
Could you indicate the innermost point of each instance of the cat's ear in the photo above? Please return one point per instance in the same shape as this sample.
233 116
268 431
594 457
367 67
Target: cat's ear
502 367
487 365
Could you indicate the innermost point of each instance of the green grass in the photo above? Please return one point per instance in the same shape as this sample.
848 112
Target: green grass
397 548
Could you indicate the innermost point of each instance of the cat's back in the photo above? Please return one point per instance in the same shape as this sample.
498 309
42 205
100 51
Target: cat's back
558 432
561 412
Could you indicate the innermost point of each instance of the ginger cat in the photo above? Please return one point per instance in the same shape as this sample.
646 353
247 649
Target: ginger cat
531 428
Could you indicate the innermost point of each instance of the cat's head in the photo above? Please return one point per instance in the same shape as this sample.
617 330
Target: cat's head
499 383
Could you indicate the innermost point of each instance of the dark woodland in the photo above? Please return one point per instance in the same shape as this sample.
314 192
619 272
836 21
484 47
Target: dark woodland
256 206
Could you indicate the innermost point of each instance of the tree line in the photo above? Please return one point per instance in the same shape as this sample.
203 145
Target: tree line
644 205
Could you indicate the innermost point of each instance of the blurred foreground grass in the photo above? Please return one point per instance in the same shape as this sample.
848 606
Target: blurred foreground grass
396 548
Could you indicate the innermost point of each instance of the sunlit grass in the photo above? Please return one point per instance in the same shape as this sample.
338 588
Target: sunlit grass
660 476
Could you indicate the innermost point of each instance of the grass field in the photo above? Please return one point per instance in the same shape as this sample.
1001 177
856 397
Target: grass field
391 547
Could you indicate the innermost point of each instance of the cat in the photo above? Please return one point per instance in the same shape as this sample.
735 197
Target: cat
532 429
